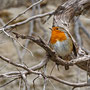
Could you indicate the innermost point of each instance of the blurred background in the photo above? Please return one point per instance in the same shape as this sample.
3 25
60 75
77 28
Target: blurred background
11 49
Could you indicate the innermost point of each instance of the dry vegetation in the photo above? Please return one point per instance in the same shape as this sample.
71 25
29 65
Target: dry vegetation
26 60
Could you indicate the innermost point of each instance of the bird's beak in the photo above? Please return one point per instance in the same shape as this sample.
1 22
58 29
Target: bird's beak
50 28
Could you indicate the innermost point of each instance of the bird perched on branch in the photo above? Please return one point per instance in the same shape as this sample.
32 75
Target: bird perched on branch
62 43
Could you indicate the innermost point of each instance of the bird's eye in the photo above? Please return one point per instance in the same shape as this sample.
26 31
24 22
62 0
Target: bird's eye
56 28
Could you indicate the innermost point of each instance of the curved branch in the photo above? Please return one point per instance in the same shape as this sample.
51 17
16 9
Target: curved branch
28 70
27 20
52 55
22 12
69 83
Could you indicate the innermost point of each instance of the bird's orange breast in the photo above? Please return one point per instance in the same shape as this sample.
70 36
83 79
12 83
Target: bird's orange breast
57 35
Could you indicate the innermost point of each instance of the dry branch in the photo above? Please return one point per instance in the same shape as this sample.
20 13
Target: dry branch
17 73
34 68
63 16
51 54
18 65
23 12
66 12
26 21
69 83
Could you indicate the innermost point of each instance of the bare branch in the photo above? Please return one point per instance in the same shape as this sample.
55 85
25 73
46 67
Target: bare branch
52 54
77 32
11 37
8 82
45 46
30 31
69 9
63 16
2 22
51 77
22 12
84 29
27 86
19 65
27 20
18 50
69 83
66 12
16 73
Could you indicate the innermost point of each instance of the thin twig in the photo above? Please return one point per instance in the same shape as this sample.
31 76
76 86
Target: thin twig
52 68
53 55
18 51
34 81
22 12
2 22
51 77
1 68
19 65
84 29
20 83
27 20
45 79
16 73
11 37
8 82
39 41
77 32
52 85
27 86
39 21
69 83
30 32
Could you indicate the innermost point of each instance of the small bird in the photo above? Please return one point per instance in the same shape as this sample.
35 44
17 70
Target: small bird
62 43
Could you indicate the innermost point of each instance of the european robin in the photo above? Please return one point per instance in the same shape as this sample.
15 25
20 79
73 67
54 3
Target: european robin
62 43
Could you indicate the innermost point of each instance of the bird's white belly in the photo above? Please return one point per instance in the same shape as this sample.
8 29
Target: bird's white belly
63 48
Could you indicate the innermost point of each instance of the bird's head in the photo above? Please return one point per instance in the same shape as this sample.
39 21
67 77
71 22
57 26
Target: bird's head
56 28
